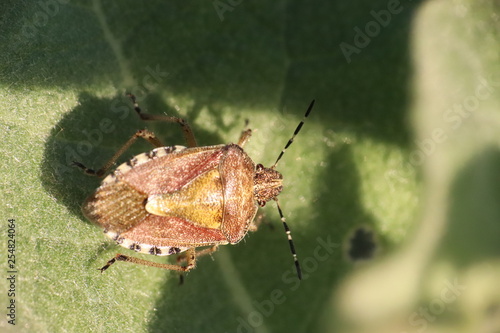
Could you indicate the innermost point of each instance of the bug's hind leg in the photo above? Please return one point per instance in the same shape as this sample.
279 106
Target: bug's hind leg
186 129
145 134
190 258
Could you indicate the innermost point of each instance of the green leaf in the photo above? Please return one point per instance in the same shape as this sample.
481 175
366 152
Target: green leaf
357 175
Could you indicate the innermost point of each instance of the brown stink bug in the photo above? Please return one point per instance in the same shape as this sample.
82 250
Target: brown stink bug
175 199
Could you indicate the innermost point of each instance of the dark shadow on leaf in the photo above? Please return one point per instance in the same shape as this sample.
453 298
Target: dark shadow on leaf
258 55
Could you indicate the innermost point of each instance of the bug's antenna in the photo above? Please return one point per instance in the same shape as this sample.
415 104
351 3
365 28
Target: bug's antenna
290 241
297 130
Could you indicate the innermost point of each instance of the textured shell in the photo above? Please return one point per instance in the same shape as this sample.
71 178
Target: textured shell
118 205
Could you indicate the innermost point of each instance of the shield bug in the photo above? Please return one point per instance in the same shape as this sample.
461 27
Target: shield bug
176 199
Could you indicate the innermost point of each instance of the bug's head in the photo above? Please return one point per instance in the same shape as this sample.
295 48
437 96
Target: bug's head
268 184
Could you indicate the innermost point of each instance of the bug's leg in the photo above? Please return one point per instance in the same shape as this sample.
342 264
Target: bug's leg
186 129
258 220
209 250
190 257
184 257
145 134
245 135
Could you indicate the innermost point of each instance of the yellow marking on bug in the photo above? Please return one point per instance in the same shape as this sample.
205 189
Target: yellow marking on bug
200 201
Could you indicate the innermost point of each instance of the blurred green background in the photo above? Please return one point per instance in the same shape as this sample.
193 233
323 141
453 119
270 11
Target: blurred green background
391 189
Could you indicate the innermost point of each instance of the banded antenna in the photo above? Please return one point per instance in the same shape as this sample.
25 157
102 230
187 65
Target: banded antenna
297 130
287 230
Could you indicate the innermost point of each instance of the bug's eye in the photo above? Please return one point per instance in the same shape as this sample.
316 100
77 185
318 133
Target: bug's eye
259 167
261 203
